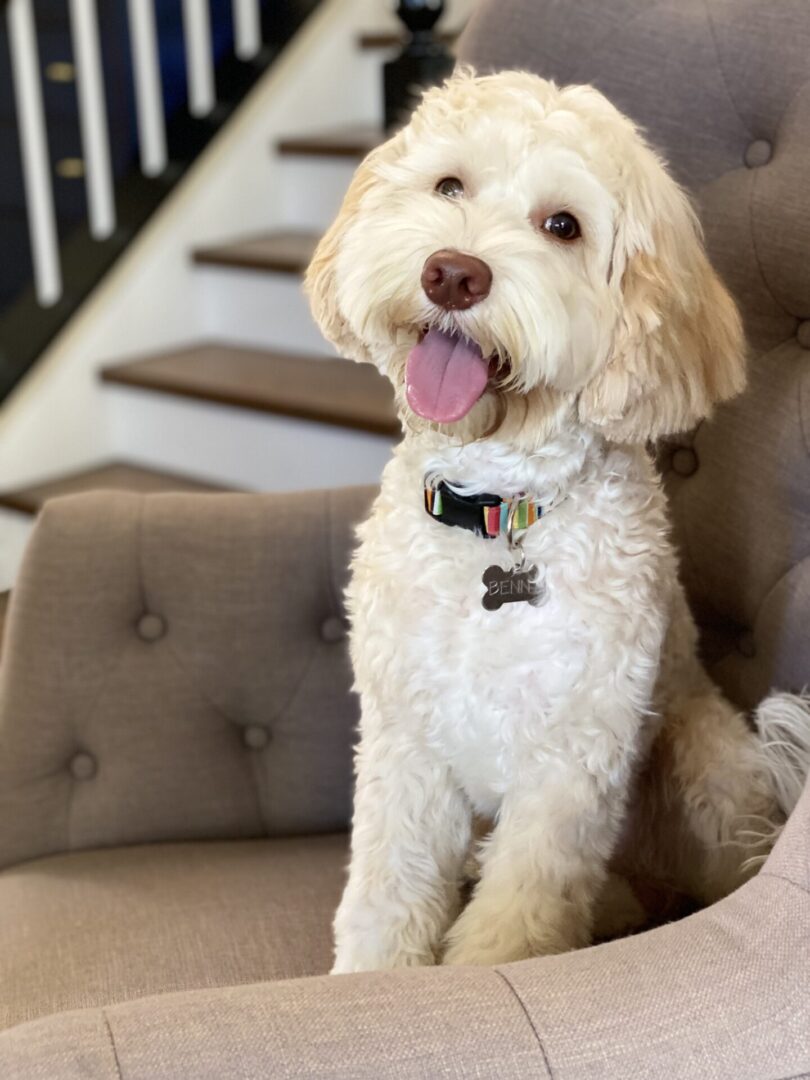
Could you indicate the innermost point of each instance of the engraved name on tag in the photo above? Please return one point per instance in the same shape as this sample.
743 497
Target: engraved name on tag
512 587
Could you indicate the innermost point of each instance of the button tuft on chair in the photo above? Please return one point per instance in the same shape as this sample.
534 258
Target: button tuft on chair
684 461
255 737
333 629
83 766
151 627
803 334
758 153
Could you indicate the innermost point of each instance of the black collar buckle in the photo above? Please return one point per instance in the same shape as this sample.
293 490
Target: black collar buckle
461 511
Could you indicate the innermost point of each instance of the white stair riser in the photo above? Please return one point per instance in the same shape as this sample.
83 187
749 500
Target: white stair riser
254 307
239 447
312 189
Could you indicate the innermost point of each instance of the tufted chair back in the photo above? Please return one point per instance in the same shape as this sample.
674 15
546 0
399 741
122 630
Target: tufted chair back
175 668
722 88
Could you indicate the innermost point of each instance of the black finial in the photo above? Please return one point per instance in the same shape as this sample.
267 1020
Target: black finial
420 16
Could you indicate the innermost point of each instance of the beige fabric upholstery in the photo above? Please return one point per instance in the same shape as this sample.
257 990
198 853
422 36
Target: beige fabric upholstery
101 927
428 1023
175 667
723 89
722 995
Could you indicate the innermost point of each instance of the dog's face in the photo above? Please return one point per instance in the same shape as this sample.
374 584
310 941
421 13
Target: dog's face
518 246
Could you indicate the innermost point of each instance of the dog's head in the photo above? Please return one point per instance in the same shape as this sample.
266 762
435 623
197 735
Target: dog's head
518 247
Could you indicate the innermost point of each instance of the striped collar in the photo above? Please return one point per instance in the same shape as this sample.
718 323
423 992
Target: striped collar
485 515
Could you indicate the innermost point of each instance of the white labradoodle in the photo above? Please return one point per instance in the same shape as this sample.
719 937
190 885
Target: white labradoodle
520 265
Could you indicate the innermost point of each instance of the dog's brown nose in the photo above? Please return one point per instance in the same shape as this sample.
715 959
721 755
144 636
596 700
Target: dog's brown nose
455 281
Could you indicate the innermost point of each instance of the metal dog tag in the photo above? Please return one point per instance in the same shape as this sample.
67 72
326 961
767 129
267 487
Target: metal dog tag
512 587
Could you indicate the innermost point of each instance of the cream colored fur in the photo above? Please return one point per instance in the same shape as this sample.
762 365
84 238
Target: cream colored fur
586 728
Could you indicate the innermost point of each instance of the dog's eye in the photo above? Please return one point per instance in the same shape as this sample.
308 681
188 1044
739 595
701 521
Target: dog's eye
562 226
451 187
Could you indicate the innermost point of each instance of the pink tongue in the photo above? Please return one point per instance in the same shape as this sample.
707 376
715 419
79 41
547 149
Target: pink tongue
445 377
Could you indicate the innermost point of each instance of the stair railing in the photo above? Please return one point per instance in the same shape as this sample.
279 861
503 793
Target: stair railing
224 46
94 127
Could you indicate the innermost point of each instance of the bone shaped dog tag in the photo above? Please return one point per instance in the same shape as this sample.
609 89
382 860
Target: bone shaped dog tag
512 587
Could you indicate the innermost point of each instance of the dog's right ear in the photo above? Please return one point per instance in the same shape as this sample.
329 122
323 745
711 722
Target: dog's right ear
320 282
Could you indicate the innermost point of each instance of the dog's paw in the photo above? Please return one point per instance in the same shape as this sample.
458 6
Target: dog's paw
480 941
485 953
350 959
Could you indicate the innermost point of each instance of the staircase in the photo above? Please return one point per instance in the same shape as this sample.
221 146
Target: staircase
231 387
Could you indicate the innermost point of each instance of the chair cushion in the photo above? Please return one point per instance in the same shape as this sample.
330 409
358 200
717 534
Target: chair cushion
99 927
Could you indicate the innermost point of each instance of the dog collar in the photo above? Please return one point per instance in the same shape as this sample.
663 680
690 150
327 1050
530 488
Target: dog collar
485 515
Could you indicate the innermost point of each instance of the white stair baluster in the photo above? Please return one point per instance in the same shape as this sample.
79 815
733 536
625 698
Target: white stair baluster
199 57
34 151
93 118
148 90
247 26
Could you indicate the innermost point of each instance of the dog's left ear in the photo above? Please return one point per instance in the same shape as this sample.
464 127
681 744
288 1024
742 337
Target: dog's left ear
678 346
320 282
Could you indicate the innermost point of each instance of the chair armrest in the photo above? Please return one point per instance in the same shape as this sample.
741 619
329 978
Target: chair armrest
427 1022
174 667
721 994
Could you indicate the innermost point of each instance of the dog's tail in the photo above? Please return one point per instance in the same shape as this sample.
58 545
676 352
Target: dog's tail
783 723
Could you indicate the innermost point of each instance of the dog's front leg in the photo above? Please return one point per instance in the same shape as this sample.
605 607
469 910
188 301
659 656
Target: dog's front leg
410 836
542 869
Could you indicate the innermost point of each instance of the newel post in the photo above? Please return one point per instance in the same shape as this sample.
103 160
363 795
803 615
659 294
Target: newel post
424 60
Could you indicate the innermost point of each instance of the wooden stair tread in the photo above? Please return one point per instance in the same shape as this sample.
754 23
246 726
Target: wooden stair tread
118 476
391 39
284 251
344 142
322 389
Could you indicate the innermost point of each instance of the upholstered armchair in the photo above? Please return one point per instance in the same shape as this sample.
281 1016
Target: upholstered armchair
176 717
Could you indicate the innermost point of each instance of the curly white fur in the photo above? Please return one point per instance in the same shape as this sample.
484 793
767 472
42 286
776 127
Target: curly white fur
586 729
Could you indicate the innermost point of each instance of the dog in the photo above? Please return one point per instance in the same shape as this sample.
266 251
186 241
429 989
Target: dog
519 263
